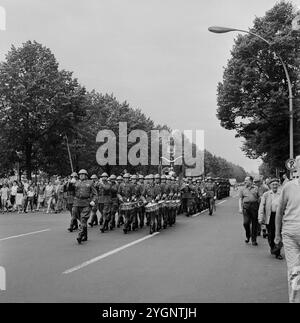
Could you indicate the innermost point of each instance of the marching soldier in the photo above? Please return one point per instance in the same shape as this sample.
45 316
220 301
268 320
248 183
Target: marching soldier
94 218
186 197
101 198
141 202
85 197
151 197
211 193
135 196
105 188
120 220
119 180
194 195
157 193
169 196
198 195
138 192
147 214
70 190
177 191
114 200
173 196
164 192
125 196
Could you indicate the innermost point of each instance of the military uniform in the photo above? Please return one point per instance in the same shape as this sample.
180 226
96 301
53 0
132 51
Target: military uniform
114 203
105 188
125 195
69 188
164 188
186 198
157 194
94 218
85 193
210 191
150 198
139 192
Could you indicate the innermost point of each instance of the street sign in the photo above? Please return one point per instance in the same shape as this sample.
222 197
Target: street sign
290 164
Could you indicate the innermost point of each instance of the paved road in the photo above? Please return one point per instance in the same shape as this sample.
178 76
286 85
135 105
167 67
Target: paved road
202 259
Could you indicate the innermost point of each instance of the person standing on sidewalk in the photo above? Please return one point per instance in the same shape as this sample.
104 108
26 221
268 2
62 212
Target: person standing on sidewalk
262 189
288 231
248 206
267 213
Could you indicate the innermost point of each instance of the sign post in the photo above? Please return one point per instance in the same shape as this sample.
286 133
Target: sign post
290 165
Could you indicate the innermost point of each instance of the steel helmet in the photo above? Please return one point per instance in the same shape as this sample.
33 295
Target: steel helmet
113 177
150 176
163 177
126 175
104 175
83 171
133 177
94 176
141 177
119 178
74 174
157 176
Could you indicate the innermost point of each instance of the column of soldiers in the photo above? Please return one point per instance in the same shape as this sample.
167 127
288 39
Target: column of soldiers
130 200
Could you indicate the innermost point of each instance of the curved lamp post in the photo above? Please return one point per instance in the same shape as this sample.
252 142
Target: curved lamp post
222 30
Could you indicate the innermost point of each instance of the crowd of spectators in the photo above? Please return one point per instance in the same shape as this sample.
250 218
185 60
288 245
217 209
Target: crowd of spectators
25 196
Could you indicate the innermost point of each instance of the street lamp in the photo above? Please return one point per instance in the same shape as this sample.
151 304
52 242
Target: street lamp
172 161
222 30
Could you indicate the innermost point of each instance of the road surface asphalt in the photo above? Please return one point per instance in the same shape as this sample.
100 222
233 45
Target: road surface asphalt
202 259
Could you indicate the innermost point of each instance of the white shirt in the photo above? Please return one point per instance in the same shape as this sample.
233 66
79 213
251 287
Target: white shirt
4 193
275 200
14 189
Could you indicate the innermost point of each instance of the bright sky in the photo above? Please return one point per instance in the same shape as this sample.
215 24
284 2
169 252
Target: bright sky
156 54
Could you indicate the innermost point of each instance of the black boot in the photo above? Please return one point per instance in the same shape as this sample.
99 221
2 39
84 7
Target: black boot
79 238
84 236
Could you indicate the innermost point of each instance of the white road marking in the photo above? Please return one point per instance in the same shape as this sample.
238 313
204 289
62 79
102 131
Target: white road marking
24 234
222 202
107 254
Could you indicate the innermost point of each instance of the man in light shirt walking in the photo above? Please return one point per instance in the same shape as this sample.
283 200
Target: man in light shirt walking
288 231
267 213
248 206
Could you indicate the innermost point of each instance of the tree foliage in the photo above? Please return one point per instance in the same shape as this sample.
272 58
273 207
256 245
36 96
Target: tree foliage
42 107
39 103
220 167
253 97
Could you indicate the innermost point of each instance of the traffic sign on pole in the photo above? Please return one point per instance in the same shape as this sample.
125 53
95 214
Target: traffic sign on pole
290 164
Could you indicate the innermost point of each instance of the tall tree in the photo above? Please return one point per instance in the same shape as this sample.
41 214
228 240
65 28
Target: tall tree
39 103
253 97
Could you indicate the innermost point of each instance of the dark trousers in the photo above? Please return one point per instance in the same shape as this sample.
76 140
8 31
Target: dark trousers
25 203
82 213
271 234
94 218
73 223
250 214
